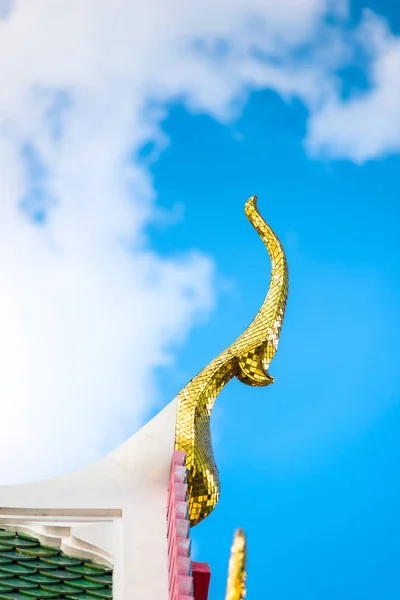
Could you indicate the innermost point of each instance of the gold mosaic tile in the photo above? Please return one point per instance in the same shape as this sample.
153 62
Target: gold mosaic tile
248 359
236 588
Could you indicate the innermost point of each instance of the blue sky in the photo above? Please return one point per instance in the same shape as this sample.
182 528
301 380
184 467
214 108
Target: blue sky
125 166
309 466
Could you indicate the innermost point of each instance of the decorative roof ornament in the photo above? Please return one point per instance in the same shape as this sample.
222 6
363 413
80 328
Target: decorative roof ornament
236 588
105 531
248 359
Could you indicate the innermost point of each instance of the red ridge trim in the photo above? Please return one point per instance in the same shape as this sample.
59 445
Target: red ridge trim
187 580
201 580
179 561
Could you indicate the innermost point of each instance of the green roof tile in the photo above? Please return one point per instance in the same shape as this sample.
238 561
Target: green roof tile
18 542
60 574
32 571
40 551
59 588
16 569
17 583
83 570
16 555
104 579
98 567
104 593
15 596
38 564
62 561
36 578
85 584
40 593
4 588
79 596
27 537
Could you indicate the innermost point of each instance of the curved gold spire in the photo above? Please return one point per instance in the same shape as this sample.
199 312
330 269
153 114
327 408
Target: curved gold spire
248 358
236 588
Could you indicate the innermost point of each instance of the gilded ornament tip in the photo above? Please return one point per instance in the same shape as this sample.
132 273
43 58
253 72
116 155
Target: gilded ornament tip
236 587
251 204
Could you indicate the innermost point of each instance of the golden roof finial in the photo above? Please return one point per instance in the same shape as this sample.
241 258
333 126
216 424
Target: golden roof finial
248 359
236 588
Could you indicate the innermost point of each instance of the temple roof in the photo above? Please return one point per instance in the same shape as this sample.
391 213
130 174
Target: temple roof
112 512
29 570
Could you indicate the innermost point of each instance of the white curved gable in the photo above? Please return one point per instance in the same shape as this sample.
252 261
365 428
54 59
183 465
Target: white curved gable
113 511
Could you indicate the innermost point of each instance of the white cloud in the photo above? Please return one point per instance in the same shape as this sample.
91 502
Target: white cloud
367 125
88 310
